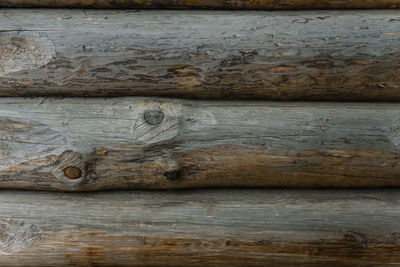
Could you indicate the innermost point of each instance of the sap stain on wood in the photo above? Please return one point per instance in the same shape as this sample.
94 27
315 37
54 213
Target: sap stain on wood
308 55
23 51
195 144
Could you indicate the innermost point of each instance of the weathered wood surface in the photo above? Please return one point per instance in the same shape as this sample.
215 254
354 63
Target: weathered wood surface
218 227
308 55
93 144
203 4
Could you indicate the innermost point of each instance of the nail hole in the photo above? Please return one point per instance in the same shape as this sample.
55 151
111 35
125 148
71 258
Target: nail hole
154 117
73 172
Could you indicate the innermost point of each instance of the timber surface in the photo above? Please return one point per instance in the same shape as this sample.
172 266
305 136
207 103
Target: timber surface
207 4
306 55
211 227
89 144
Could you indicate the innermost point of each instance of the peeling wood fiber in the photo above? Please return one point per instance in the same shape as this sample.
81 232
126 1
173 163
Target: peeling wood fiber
307 55
206 4
213 227
87 144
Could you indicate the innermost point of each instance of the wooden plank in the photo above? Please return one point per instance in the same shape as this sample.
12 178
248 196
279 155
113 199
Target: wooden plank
206 4
141 143
217 227
308 55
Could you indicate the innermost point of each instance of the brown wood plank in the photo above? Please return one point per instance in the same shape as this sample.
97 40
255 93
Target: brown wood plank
207 227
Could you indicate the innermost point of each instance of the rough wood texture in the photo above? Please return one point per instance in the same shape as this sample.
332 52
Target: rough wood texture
137 143
308 55
219 227
202 4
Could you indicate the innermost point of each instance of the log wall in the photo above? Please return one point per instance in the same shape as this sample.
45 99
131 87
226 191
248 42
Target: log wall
94 143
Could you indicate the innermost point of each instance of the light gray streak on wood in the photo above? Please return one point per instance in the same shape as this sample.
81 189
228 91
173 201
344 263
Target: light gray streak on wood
394 136
27 137
24 51
16 235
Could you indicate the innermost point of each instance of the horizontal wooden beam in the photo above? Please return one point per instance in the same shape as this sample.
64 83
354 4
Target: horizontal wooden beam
81 144
307 55
218 227
204 4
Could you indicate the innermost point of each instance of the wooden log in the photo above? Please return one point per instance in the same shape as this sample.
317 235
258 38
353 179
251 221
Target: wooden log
207 4
314 55
218 227
80 144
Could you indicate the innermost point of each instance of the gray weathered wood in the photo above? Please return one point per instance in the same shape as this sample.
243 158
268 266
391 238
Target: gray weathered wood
130 143
310 55
218 227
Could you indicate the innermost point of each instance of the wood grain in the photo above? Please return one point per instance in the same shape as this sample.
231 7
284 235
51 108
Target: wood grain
79 144
206 4
307 55
211 227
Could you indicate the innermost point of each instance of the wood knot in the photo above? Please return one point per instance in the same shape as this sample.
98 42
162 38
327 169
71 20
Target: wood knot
156 122
73 172
73 168
154 117
173 175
